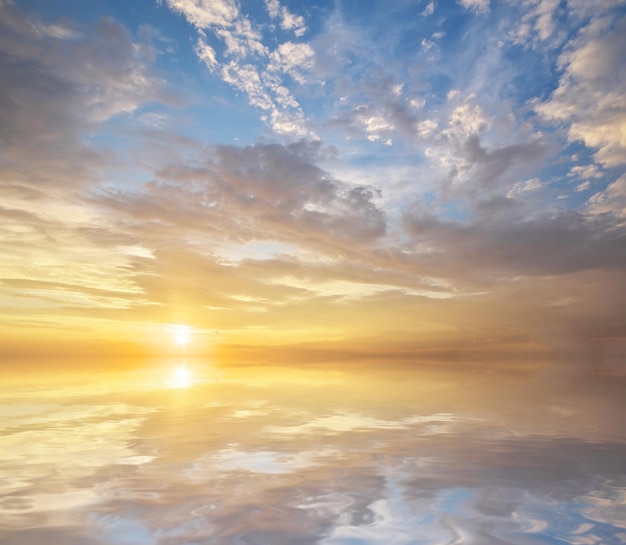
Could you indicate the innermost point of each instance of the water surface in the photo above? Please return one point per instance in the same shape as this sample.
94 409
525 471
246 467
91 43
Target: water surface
390 456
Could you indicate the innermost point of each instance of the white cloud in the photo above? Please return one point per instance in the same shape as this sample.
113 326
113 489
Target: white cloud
206 54
374 126
537 19
467 118
475 5
583 186
429 9
426 128
611 200
58 31
246 78
249 65
289 21
273 8
206 13
426 44
590 100
288 122
293 59
585 171
525 186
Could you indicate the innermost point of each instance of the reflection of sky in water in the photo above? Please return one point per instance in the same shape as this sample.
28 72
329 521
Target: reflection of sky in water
365 462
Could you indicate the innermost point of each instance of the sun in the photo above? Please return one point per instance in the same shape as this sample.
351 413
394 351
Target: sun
182 335
182 377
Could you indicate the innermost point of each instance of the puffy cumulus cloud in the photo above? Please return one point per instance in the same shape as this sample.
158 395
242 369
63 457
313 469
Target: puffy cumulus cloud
247 63
273 8
293 59
289 21
260 192
590 101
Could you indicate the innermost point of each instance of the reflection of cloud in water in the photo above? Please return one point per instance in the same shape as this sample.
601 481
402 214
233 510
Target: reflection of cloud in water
342 423
227 465
47 451
263 461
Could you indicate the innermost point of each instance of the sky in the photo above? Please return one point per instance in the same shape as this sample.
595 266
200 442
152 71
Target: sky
296 183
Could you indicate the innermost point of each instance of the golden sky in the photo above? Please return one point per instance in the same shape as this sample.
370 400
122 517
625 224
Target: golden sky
307 188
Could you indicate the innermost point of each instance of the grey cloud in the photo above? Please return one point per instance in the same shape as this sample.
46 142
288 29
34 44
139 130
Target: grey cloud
57 86
558 244
260 192
477 173
491 164
376 107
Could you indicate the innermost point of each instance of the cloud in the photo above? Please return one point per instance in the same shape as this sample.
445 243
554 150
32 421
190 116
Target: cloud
273 8
63 84
206 13
260 192
589 101
475 5
610 201
59 86
520 188
562 243
537 23
429 9
294 59
249 65
289 21
206 54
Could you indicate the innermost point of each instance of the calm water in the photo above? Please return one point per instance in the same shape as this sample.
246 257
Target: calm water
269 457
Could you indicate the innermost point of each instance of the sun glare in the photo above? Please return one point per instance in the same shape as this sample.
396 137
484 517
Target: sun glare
182 377
182 335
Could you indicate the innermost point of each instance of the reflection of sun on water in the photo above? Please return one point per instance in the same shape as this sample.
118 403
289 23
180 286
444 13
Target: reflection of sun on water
181 376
